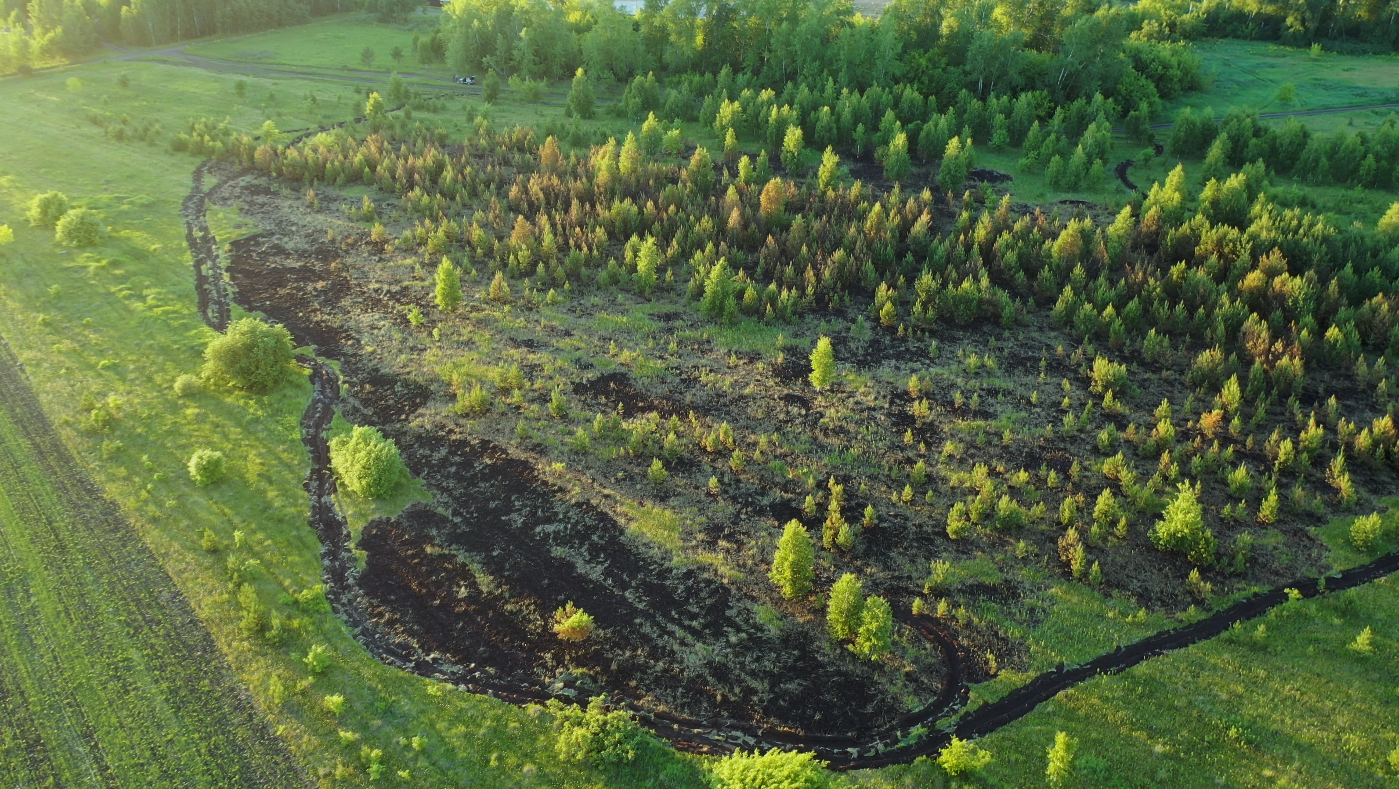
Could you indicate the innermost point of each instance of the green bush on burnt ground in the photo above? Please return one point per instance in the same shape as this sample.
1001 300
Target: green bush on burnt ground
252 355
367 463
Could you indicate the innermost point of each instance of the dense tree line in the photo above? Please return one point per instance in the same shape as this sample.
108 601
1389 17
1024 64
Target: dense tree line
1066 50
1371 25
33 30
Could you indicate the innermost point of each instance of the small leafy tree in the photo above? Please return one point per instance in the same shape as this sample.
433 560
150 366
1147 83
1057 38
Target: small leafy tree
845 608
896 159
490 86
962 757
318 659
251 355
647 261
581 100
367 463
1367 531
772 770
792 149
956 163
448 286
7 236
572 623
1061 759
1182 528
595 734
366 56
1108 376
80 227
876 632
823 363
830 170
49 207
207 466
701 171
791 564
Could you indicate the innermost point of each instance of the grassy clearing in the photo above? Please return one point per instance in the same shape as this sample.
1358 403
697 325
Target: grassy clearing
1247 75
330 43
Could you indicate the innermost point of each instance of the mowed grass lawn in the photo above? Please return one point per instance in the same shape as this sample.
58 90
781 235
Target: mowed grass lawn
106 676
109 330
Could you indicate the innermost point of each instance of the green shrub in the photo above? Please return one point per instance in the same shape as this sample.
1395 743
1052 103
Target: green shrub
186 385
317 659
772 770
367 463
594 734
1108 376
207 466
46 209
791 565
572 623
823 364
876 632
962 756
7 235
251 355
1367 531
1182 528
845 609
80 228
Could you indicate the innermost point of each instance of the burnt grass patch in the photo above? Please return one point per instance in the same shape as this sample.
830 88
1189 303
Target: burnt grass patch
476 577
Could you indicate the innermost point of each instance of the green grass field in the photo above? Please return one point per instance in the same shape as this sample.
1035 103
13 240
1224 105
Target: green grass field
1247 75
106 676
334 43
110 329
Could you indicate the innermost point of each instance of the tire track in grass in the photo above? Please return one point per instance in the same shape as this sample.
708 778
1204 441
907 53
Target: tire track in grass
107 677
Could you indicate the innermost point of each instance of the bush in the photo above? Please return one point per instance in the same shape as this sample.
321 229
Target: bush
7 235
963 756
1367 531
876 629
1182 528
186 385
252 355
823 364
791 565
367 463
594 734
772 770
572 623
80 228
1108 376
845 609
317 659
207 466
46 209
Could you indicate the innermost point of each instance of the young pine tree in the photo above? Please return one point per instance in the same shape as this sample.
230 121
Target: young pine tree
830 169
448 286
845 611
823 364
791 565
1061 759
875 635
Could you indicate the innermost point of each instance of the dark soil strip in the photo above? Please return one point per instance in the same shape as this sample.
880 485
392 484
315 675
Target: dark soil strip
148 693
914 735
209 284
1122 175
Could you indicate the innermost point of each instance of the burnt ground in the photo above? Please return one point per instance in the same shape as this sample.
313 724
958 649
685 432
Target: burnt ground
476 577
